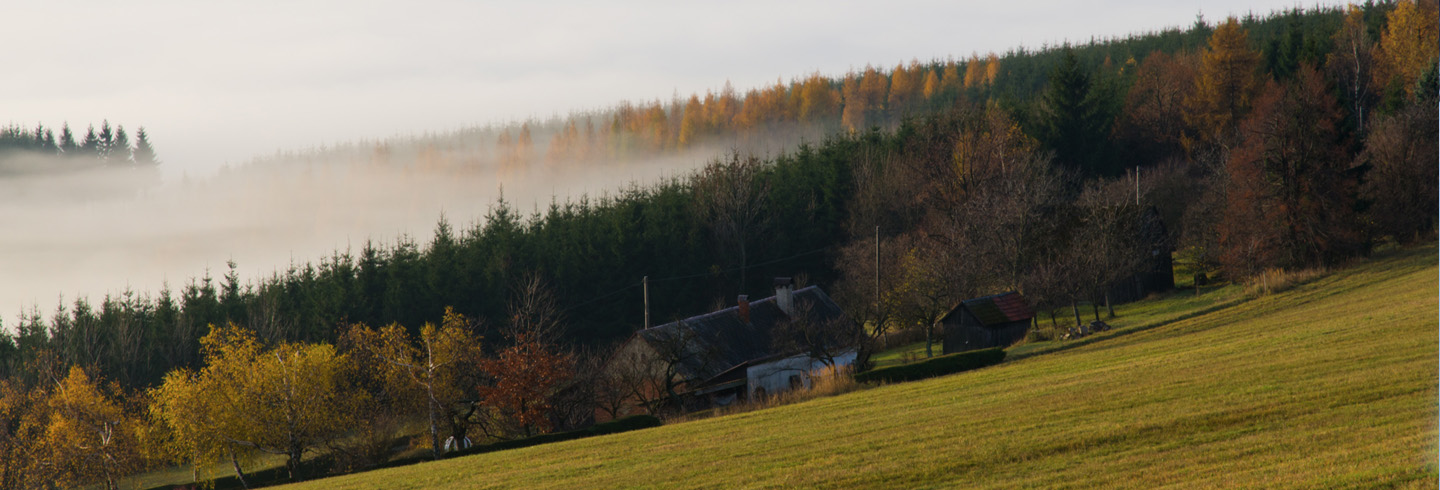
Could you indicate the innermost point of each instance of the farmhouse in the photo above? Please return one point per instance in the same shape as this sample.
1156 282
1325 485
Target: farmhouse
984 322
744 351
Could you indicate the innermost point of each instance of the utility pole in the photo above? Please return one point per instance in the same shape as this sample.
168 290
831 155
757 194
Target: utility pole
1137 185
645 285
877 280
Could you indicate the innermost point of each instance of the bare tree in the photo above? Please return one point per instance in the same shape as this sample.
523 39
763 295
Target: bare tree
1109 249
733 196
534 312
822 340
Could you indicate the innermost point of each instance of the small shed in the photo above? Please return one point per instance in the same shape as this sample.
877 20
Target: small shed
989 321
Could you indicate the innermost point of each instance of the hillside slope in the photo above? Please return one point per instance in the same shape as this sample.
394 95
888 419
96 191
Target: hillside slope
1331 384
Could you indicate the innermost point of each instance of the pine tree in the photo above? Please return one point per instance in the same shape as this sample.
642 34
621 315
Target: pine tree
144 154
1073 123
90 146
119 152
106 140
68 146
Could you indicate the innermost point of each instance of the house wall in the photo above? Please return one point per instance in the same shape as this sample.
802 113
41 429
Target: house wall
774 377
963 332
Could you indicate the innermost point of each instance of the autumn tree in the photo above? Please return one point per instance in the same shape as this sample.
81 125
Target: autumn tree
931 86
1151 126
91 436
527 373
692 123
904 84
819 101
951 80
1225 84
1409 45
853 115
974 71
931 281
432 372
1290 201
248 399
1352 63
23 413
1401 183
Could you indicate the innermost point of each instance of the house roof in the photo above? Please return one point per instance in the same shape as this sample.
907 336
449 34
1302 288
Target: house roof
718 341
995 309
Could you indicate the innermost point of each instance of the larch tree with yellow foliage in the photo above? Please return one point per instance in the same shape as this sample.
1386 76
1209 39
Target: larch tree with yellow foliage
931 87
852 116
1408 46
818 101
1225 84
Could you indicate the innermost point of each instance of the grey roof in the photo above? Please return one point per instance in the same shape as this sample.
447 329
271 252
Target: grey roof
719 341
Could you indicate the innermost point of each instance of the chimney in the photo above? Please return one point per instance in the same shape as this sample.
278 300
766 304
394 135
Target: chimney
784 295
743 303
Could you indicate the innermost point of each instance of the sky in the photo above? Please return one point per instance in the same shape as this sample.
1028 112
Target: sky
220 82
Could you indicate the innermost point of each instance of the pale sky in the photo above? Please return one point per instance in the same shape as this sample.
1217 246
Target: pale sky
222 81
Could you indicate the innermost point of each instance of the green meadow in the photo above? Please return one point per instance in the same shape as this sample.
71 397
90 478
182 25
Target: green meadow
1330 384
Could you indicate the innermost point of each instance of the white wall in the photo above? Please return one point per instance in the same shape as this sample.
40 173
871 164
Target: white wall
774 376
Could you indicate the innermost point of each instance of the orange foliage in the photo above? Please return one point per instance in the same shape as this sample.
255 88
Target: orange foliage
1225 84
1289 198
525 376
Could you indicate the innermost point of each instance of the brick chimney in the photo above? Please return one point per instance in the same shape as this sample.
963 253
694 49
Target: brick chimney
743 303
784 295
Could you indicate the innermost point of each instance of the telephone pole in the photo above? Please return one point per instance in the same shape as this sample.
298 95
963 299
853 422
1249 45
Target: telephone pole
645 285
1137 185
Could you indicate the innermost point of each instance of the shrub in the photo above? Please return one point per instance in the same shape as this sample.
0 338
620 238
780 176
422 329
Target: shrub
937 366
1275 280
633 422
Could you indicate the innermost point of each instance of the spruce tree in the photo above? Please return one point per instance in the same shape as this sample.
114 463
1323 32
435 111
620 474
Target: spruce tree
1072 119
106 140
144 154
68 146
119 153
90 146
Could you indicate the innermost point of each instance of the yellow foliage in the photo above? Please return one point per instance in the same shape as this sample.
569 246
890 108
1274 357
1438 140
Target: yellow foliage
288 399
992 68
932 84
89 436
1409 44
1226 82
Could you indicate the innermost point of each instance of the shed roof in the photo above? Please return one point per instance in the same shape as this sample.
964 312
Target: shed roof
995 309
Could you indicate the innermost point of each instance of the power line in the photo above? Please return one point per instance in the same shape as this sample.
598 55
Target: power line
702 274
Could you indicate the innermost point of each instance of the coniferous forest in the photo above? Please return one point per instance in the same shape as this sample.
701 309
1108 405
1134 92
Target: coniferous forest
1296 140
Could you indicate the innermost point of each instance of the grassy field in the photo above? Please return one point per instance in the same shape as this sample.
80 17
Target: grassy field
1330 384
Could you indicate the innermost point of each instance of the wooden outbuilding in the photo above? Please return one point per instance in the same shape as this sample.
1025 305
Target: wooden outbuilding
989 321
